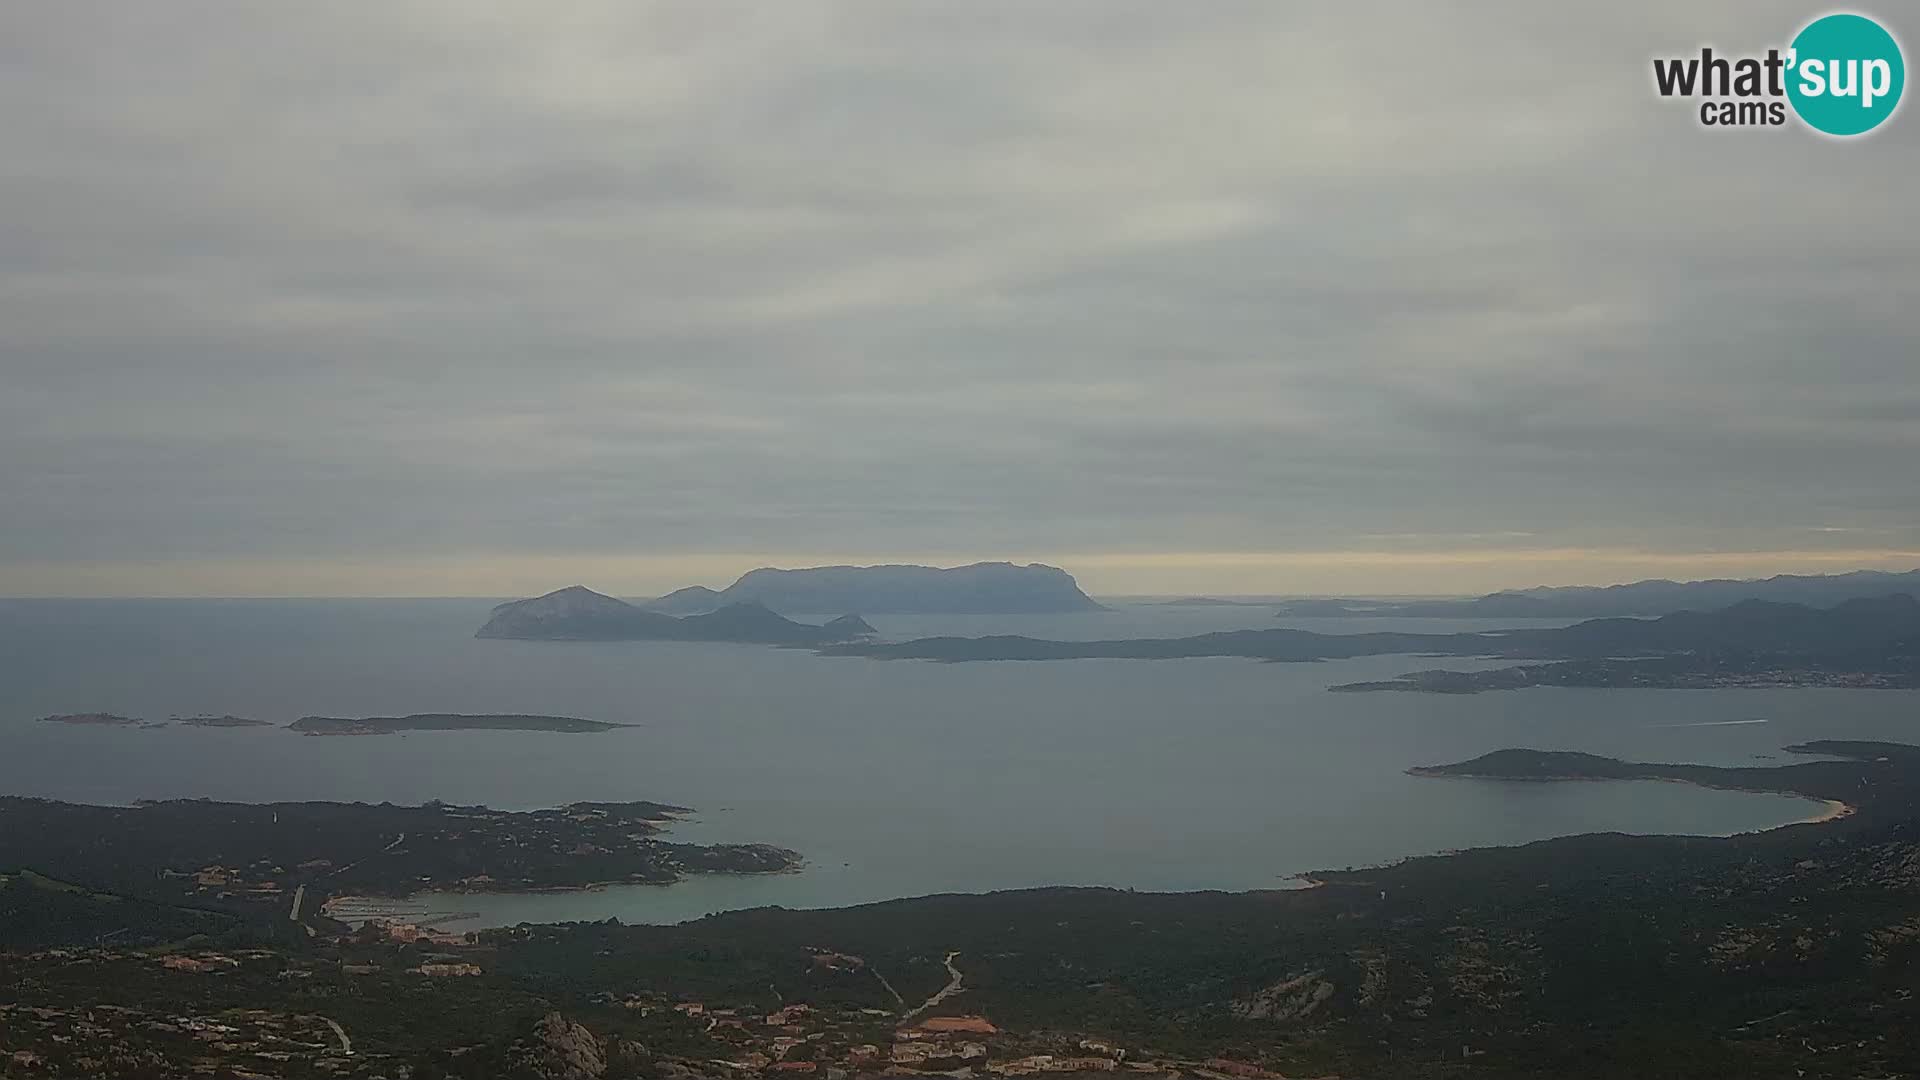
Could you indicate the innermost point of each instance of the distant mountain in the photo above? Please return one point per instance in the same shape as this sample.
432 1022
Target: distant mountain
996 588
758 623
1881 626
690 600
577 613
850 626
1655 597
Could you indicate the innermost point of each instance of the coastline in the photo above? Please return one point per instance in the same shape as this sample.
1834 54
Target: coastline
1833 809
1834 812
373 901
1304 882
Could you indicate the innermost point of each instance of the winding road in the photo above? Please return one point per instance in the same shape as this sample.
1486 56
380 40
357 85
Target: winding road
945 992
346 1044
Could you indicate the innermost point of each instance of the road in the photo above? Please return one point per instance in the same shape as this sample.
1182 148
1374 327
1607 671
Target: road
346 1044
947 991
897 999
396 843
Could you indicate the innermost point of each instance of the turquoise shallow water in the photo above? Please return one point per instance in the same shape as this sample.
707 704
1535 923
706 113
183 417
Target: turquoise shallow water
894 779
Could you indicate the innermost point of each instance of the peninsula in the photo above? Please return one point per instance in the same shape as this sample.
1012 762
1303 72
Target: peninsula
1835 781
239 856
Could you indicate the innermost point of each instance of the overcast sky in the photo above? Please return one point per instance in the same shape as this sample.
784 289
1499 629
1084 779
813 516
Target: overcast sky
430 298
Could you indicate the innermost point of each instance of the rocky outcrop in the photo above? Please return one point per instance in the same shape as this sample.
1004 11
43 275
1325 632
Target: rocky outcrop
558 1049
1295 998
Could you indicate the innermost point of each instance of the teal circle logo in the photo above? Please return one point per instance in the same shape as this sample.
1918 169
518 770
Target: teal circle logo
1845 74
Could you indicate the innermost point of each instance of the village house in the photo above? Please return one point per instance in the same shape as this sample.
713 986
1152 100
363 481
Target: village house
406 932
206 963
447 970
912 1053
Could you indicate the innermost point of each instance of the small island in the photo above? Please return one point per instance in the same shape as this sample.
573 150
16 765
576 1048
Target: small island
93 719
387 725
206 720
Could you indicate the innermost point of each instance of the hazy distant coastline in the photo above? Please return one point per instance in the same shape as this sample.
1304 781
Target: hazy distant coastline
1640 598
1862 642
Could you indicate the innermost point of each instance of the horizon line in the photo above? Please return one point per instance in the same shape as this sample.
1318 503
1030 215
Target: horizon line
1358 574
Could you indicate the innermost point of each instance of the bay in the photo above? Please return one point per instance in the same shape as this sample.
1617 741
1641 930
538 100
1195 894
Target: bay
892 778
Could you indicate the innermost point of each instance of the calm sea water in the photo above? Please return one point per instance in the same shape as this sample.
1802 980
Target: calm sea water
893 778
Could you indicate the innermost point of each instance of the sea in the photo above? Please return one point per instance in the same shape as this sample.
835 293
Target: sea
892 778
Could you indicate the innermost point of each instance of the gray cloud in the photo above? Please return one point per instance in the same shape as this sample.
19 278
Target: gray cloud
377 281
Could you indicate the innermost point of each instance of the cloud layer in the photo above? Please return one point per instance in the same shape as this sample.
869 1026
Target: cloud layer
374 285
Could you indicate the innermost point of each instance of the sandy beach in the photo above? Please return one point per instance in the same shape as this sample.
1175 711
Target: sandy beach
1835 810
